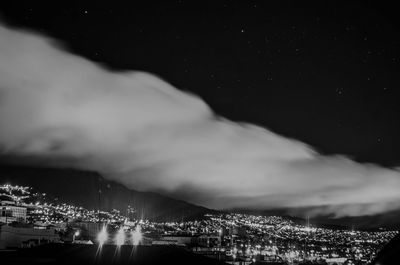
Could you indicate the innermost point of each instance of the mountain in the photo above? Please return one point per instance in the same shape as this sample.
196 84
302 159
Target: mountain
82 188
389 220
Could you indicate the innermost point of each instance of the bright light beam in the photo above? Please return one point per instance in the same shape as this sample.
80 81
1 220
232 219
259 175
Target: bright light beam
102 236
120 237
136 235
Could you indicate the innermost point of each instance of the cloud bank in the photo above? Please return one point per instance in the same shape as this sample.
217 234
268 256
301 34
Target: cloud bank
140 131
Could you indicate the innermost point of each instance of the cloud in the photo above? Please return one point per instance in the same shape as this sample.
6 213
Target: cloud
137 129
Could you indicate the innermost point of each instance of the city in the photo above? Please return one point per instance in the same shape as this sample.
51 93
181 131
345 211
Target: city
29 219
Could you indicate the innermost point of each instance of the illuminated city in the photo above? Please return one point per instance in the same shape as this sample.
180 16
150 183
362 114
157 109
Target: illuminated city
227 236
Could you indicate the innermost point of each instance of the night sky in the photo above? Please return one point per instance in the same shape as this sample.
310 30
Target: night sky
326 74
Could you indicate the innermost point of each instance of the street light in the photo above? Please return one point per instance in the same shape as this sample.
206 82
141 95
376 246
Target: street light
77 233
120 237
102 236
136 235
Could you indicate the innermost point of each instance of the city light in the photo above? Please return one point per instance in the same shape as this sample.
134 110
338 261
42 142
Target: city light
77 233
227 232
102 236
136 235
120 237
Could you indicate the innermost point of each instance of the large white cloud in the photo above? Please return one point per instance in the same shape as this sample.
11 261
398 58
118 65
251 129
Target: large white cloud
141 131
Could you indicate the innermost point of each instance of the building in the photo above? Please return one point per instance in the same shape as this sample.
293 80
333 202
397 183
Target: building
89 230
10 212
16 237
234 230
209 241
175 240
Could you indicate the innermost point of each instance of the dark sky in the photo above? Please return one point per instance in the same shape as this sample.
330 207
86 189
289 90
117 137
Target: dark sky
326 74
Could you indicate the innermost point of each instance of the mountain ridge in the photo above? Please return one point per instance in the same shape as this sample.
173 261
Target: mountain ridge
82 189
